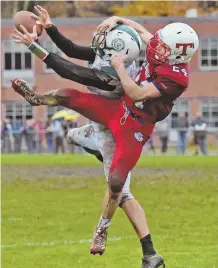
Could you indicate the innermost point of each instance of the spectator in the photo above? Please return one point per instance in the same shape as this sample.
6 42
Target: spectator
39 135
67 125
6 136
17 131
182 125
49 137
163 131
200 134
216 139
150 145
29 133
58 134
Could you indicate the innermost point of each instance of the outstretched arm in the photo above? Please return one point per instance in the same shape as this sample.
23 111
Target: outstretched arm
71 49
66 45
112 21
63 67
76 73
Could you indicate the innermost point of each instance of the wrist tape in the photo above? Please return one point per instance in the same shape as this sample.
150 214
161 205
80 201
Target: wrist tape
39 51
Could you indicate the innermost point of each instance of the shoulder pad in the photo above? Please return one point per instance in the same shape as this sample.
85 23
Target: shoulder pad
178 73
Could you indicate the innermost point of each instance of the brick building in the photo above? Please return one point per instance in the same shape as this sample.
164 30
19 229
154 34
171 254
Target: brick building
17 61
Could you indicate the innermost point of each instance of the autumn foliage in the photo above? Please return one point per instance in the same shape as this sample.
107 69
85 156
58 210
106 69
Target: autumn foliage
162 8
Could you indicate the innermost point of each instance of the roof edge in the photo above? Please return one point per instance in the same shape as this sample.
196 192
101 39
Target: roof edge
142 20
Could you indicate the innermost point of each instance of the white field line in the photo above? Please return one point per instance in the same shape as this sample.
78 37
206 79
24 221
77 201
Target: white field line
85 241
56 242
15 219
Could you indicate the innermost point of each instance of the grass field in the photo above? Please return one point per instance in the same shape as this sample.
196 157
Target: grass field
51 204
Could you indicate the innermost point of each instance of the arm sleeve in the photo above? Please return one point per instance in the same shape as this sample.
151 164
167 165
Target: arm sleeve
167 87
69 48
76 73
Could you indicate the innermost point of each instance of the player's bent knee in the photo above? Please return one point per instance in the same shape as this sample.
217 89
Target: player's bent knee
115 184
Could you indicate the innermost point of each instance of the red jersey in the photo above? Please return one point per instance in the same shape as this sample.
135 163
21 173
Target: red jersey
170 80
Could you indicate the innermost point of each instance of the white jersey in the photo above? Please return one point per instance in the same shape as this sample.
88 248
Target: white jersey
105 66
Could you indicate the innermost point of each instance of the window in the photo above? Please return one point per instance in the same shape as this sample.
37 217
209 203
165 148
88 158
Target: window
181 106
50 46
18 111
209 53
17 61
209 111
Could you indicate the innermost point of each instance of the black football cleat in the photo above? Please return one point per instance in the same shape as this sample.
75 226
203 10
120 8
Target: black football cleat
153 261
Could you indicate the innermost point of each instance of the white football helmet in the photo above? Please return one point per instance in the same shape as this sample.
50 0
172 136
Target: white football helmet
179 40
121 40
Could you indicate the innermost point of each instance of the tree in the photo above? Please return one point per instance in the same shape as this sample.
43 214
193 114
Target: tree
208 6
163 8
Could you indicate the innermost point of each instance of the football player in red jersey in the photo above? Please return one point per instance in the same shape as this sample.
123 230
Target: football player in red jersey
160 81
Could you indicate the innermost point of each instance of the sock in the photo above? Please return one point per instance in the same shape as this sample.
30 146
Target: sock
104 223
147 245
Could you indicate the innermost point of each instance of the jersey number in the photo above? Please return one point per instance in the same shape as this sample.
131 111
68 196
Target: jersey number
176 69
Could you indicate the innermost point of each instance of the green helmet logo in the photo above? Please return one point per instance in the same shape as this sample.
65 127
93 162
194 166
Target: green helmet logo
118 44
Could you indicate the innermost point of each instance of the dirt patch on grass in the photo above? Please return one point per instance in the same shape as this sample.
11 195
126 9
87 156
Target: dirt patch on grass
41 173
33 172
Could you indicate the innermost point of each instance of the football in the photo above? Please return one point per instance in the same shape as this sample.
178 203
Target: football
25 18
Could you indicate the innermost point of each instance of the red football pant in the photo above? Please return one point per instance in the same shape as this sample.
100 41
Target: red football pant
110 112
